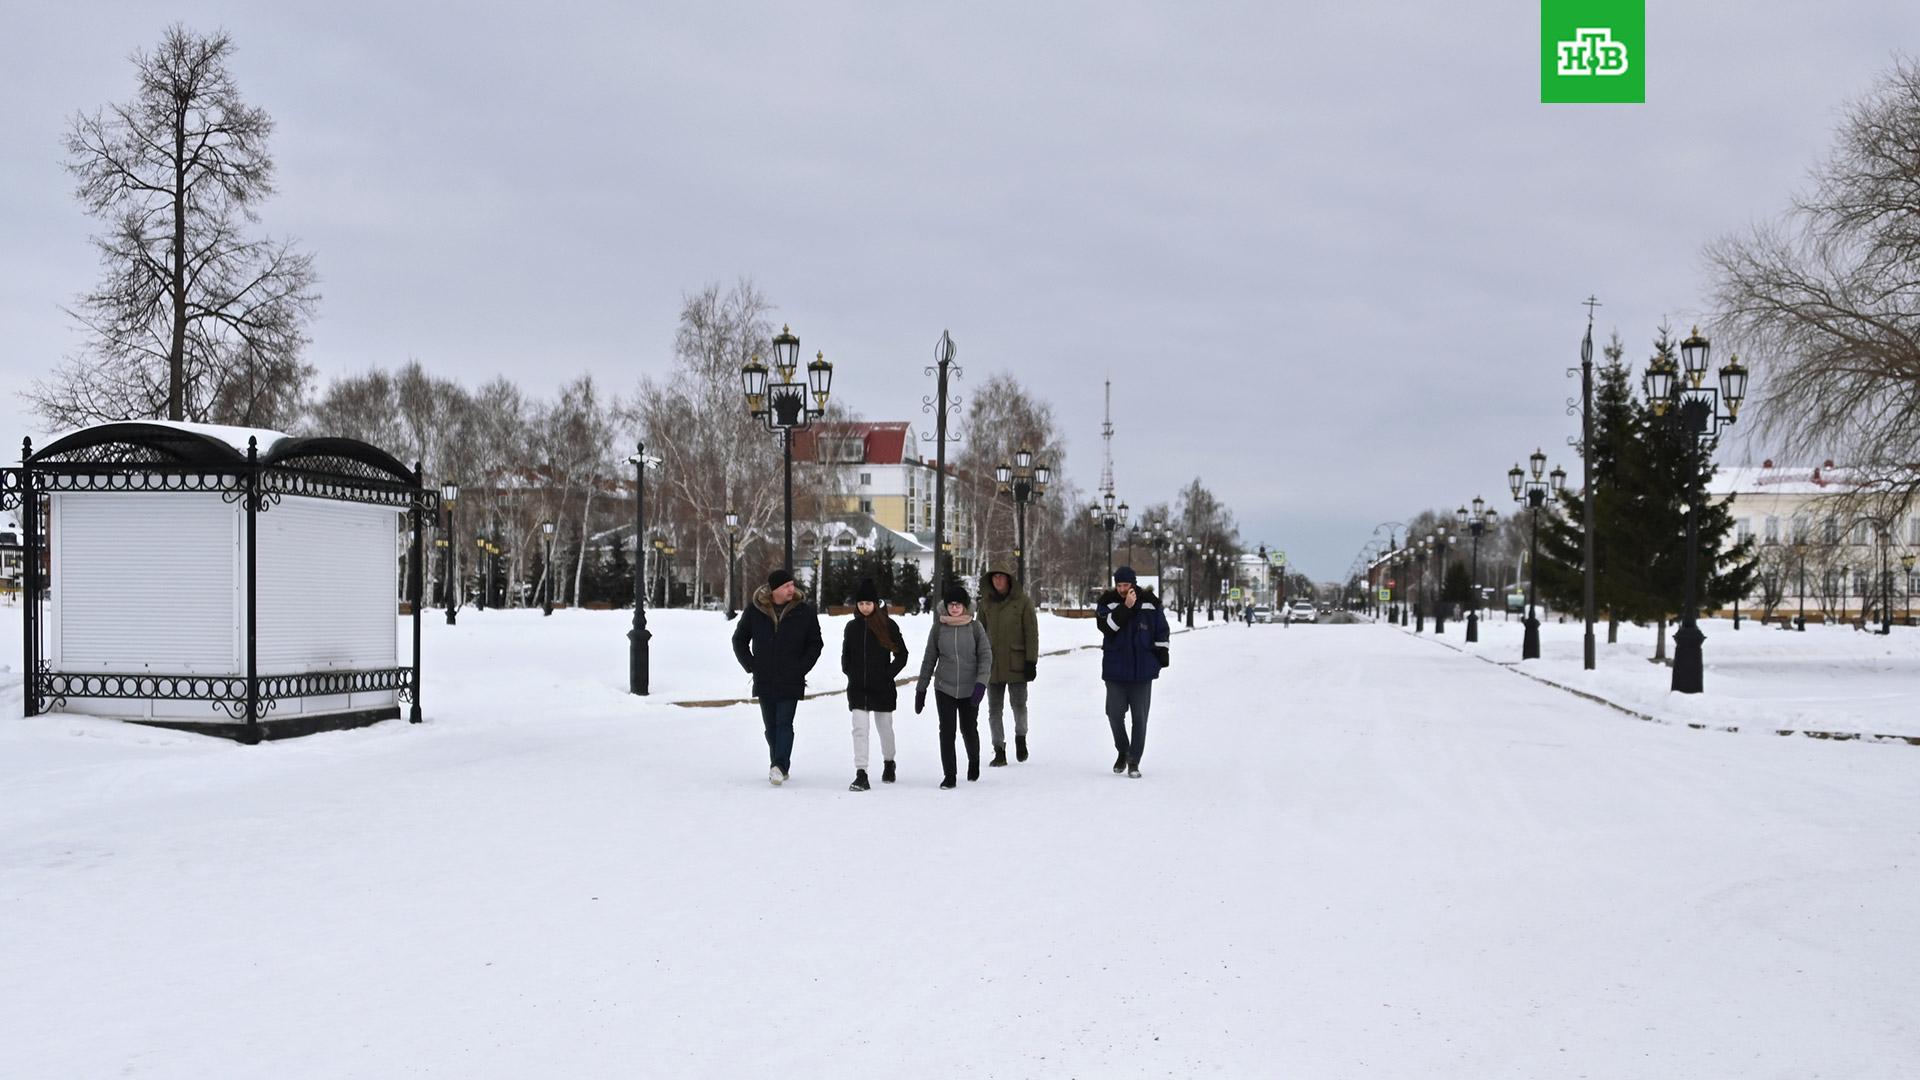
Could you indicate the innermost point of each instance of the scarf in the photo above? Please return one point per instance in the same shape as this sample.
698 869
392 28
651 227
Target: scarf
956 620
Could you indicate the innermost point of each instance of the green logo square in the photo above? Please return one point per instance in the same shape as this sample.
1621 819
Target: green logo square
1593 50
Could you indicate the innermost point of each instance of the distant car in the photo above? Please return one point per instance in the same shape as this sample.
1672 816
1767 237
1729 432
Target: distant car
1262 614
1301 611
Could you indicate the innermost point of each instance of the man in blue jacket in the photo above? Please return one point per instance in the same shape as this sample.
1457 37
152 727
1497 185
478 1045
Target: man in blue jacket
1134 635
777 641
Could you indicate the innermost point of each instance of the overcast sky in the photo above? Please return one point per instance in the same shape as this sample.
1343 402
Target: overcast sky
1332 259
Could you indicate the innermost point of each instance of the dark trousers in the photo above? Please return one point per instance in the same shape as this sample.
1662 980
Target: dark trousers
967 714
1122 696
777 715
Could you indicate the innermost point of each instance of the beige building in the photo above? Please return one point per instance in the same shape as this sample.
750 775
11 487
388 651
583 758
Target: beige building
879 474
1822 553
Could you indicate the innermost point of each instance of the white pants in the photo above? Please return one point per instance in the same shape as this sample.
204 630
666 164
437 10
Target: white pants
881 720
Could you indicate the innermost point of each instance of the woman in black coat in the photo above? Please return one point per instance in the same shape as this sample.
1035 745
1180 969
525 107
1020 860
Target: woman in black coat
872 655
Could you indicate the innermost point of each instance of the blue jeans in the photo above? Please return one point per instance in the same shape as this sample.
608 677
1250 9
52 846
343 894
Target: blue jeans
1124 696
777 715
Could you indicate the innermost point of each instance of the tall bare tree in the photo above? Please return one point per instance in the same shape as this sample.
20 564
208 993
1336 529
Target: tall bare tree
194 318
1830 297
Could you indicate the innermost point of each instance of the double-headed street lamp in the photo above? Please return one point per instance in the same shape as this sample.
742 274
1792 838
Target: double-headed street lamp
1422 552
1680 397
1024 481
1439 588
733 538
1535 493
486 571
1906 563
546 599
783 406
1474 524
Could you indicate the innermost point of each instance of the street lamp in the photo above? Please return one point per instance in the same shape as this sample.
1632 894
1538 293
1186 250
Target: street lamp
546 601
449 494
486 573
1440 579
1535 493
783 406
1024 481
1475 524
639 637
1109 518
1906 563
1886 580
733 537
1681 398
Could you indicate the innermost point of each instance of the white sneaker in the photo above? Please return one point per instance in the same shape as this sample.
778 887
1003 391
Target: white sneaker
775 776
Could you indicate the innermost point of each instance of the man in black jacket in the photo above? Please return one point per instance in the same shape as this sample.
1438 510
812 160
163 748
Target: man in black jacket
777 641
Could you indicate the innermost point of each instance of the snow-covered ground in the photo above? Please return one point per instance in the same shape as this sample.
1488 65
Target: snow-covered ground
1758 679
1354 854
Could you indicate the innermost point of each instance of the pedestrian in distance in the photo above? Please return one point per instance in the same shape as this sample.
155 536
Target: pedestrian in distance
1013 625
872 656
1133 652
777 641
957 663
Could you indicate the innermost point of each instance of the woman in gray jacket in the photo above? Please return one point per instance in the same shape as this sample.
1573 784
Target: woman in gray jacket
958 650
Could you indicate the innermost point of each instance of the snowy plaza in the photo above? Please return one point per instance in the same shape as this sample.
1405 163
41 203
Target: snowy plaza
1354 852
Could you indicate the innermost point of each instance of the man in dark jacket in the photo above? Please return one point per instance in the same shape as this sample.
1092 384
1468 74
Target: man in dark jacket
777 641
1134 635
1012 624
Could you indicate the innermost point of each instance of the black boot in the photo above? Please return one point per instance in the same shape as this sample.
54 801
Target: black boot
886 773
973 768
948 784
1020 747
859 781
999 755
1120 763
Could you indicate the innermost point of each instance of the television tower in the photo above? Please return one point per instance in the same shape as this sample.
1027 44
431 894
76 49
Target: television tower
1106 434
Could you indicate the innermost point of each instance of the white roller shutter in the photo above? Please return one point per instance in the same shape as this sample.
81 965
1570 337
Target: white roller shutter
328 586
145 582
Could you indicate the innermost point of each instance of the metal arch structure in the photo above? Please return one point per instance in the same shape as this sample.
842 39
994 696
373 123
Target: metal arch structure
160 459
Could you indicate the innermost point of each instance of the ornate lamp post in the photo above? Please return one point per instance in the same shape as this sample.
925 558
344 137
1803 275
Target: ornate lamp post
546 599
1439 578
449 493
783 406
1093 523
1474 524
1188 550
1906 563
486 573
733 562
1800 557
639 637
1690 408
1422 552
1024 481
1886 580
1110 518
1535 493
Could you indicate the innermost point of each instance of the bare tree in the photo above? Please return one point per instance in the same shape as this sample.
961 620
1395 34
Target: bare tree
193 319
1831 297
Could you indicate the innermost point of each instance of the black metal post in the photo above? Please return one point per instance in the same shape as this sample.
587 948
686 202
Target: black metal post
1800 624
546 598
30 583
1886 587
252 732
1020 549
943 362
1588 611
416 594
1687 663
786 451
1417 565
1473 583
1440 587
1186 585
453 566
1530 641
1109 523
732 565
639 636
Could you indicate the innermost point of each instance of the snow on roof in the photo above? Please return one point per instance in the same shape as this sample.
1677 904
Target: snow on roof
1770 479
235 437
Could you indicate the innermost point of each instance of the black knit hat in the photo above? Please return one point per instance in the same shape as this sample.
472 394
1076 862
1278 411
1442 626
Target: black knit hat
867 591
779 577
1125 574
956 594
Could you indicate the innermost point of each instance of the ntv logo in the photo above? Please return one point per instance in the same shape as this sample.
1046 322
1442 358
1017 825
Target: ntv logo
1592 52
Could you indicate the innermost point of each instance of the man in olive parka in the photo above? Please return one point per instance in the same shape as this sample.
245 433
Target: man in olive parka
1013 626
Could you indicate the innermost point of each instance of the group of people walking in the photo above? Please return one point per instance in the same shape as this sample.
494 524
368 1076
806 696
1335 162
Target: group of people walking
991 655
